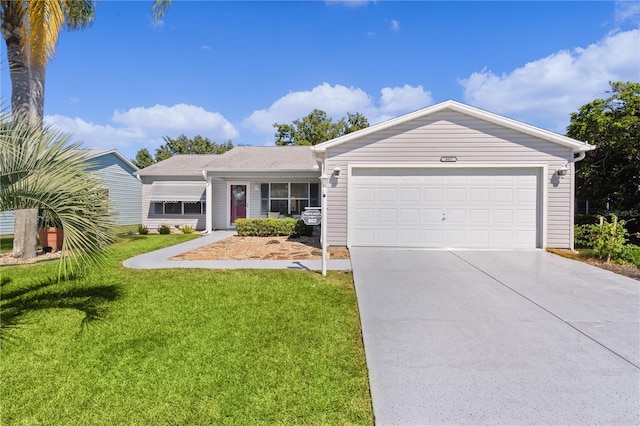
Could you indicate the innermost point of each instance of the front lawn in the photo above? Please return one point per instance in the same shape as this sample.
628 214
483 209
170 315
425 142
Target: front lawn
180 346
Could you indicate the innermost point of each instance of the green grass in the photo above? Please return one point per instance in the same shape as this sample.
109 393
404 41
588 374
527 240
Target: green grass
6 244
180 346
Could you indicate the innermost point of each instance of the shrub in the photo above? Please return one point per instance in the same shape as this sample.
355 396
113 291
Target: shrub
265 227
186 229
303 230
607 238
630 254
164 229
143 230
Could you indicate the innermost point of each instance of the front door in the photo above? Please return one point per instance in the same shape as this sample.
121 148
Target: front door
238 202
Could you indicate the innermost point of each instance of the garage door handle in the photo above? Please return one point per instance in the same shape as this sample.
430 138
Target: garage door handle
444 216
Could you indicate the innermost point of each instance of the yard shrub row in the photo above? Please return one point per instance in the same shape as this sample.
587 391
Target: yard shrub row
265 227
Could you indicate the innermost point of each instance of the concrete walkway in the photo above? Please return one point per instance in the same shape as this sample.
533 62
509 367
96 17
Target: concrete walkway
497 338
159 259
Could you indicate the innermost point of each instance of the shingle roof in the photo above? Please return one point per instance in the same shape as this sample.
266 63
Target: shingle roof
264 158
178 165
249 158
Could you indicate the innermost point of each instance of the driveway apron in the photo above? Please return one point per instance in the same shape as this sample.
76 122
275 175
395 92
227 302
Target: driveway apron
492 337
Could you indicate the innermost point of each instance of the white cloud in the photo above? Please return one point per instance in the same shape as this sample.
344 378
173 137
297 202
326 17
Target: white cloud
627 11
395 26
144 127
395 100
546 91
336 101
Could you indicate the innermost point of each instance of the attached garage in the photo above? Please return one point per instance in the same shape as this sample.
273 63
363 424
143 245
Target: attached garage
450 176
435 208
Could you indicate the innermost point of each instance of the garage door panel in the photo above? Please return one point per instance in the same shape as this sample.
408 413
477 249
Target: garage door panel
432 194
432 215
456 195
387 194
459 208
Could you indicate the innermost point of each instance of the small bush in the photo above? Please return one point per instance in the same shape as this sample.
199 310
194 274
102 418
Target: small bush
164 229
630 254
186 229
303 230
606 238
143 230
265 227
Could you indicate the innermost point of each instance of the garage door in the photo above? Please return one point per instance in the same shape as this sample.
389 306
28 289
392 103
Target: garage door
455 208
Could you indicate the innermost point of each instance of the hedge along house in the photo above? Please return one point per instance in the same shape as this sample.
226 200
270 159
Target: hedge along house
212 191
120 185
451 176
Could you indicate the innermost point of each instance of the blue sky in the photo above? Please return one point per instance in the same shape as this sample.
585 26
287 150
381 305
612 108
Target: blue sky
229 70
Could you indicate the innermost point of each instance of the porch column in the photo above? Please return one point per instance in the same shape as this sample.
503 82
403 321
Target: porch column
209 207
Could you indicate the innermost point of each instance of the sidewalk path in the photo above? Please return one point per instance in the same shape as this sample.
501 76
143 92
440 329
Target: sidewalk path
159 259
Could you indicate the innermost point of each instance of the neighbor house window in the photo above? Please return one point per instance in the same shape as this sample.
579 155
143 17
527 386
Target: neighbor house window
288 198
174 208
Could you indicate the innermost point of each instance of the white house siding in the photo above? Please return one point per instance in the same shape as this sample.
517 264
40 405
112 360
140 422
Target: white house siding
124 189
152 221
424 141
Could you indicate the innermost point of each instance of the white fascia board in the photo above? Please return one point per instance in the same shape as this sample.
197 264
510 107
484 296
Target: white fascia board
574 144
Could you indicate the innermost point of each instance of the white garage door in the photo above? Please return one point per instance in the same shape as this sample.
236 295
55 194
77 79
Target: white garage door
455 208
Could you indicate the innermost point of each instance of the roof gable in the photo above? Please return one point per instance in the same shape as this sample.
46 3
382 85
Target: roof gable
95 153
450 105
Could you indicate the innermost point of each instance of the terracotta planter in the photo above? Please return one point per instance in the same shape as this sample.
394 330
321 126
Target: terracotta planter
51 237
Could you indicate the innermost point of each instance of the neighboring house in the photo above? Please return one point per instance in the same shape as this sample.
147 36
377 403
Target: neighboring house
119 183
449 175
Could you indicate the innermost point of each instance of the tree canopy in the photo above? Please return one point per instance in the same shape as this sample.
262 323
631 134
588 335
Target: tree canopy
610 175
180 146
317 127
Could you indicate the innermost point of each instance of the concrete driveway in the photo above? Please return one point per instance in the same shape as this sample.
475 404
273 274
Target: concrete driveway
492 337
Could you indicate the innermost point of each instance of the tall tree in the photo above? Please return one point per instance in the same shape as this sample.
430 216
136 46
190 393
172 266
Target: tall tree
143 159
610 174
181 145
41 170
317 127
30 29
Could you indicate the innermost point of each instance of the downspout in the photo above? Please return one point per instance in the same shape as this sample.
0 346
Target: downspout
208 213
322 170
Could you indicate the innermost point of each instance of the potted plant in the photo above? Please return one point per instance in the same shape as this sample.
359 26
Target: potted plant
50 232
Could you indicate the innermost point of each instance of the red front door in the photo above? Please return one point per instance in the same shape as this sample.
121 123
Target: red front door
238 202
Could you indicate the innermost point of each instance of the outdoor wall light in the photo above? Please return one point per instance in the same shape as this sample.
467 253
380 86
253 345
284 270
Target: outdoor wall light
562 171
336 171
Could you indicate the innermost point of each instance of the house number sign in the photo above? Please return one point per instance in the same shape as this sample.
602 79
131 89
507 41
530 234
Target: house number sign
312 217
448 159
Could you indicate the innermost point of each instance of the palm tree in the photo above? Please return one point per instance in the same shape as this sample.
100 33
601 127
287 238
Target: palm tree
40 169
30 29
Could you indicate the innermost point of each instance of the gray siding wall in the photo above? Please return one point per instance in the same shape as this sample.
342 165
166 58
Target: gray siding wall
6 223
125 191
152 221
472 141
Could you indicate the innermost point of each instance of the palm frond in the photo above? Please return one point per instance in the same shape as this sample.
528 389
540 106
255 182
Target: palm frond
40 168
45 19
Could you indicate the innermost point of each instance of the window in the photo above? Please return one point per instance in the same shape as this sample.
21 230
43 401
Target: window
287 198
178 208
